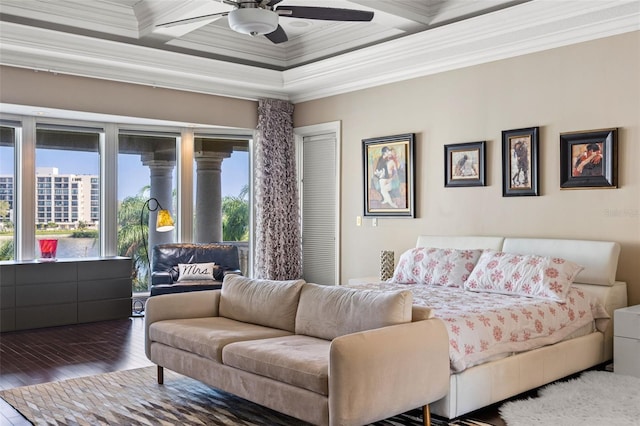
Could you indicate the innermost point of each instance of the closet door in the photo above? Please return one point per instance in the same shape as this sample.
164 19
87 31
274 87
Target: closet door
319 187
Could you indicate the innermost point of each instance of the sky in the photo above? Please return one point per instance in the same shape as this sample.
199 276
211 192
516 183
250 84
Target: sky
132 175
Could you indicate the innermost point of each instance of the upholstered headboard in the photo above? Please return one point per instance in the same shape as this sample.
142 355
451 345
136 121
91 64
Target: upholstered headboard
460 242
599 258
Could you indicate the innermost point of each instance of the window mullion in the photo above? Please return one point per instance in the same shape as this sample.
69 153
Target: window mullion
25 190
108 191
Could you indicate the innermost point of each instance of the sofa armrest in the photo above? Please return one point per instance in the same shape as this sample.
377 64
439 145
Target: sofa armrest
196 304
161 278
378 373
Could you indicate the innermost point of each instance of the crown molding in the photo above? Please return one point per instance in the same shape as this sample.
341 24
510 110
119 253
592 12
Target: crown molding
63 53
526 28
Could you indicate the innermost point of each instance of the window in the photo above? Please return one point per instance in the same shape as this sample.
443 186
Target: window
221 180
7 194
78 181
146 169
66 154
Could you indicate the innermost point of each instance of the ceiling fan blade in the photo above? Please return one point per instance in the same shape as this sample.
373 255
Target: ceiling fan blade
272 3
192 20
324 13
277 36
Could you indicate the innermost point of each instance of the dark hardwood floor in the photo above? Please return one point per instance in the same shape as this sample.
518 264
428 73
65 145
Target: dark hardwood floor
58 353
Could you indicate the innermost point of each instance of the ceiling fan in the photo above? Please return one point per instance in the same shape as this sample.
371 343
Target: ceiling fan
261 17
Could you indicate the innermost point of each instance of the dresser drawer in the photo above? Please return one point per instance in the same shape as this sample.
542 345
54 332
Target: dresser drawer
627 322
626 356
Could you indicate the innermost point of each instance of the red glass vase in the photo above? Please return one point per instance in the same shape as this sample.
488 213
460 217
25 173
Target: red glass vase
48 250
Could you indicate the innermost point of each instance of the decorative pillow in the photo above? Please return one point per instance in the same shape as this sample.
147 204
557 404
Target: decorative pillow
174 272
196 271
432 266
523 275
218 273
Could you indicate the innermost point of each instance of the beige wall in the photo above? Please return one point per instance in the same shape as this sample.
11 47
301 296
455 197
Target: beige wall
581 87
44 89
587 86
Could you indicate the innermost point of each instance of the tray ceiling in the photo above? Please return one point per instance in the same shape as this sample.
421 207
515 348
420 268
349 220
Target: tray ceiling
120 40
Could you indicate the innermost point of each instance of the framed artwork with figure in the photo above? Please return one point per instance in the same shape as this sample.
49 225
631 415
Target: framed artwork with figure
464 164
589 159
388 164
520 162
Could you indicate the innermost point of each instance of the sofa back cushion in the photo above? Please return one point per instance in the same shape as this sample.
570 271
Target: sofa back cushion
263 302
328 312
166 256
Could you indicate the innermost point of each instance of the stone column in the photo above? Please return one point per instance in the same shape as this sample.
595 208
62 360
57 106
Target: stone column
161 172
208 225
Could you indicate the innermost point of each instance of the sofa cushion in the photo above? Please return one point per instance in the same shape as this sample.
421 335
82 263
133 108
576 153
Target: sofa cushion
207 336
327 312
263 302
300 361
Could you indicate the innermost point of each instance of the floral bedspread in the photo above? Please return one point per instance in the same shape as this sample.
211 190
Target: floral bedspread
483 326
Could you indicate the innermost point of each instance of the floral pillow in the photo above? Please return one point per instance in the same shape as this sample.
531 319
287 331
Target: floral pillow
196 271
432 266
523 275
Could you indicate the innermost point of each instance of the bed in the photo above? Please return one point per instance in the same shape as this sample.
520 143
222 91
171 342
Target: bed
482 371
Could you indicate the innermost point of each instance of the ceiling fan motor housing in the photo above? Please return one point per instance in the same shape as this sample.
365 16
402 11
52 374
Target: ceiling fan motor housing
253 21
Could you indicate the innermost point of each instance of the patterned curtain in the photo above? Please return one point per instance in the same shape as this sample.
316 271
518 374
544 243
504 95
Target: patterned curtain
278 240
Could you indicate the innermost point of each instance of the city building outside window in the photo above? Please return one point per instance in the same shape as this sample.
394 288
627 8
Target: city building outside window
67 175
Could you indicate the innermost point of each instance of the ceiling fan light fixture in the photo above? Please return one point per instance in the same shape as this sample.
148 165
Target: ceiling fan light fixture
253 21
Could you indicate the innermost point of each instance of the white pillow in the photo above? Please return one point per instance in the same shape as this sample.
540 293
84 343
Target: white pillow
523 275
195 271
432 266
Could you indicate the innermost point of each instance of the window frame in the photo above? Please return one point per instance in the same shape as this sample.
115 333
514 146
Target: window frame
25 179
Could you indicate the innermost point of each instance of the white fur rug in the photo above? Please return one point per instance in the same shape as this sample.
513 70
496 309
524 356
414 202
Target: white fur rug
596 398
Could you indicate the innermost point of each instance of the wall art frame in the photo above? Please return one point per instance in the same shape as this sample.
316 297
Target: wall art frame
520 162
589 159
389 176
464 164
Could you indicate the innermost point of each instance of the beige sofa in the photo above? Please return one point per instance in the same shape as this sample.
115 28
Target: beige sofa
323 354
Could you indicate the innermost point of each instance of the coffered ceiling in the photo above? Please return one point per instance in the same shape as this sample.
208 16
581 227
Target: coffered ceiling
121 40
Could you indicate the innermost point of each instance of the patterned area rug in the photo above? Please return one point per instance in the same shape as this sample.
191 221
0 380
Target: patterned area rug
133 397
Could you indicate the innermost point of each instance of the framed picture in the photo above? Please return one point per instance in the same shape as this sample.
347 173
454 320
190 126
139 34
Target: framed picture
389 176
520 162
464 164
589 159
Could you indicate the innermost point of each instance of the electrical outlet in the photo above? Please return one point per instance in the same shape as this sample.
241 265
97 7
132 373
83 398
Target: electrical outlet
374 222
358 220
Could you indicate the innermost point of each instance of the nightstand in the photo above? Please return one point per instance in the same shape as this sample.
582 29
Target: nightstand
626 341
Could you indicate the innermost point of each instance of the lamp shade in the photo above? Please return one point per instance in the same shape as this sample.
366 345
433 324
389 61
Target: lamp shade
164 222
253 21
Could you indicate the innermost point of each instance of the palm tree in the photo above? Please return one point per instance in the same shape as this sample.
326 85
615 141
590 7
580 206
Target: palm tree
4 209
235 216
6 250
131 235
